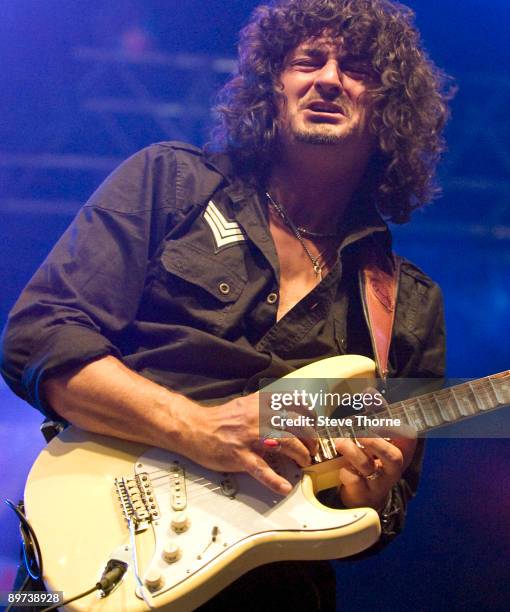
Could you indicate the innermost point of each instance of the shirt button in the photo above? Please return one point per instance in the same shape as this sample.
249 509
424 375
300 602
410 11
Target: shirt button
272 298
224 288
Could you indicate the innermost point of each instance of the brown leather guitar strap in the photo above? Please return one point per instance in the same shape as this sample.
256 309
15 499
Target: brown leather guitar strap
379 276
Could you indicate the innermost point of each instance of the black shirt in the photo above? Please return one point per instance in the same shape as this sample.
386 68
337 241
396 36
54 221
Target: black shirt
171 267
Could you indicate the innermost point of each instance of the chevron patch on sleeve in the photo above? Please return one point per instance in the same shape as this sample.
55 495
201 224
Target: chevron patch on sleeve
225 232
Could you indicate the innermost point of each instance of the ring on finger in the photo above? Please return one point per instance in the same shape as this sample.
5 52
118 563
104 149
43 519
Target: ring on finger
377 473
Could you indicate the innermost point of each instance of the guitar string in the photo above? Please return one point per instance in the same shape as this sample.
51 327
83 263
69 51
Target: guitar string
493 389
194 489
165 473
193 483
407 404
404 408
325 430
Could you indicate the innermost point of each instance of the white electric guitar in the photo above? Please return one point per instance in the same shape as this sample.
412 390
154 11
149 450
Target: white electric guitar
187 532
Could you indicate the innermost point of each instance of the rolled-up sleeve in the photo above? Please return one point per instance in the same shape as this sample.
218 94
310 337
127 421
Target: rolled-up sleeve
88 289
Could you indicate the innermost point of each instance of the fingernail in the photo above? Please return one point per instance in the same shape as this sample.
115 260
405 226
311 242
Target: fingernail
285 488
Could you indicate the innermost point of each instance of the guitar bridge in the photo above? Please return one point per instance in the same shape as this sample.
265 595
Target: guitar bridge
137 500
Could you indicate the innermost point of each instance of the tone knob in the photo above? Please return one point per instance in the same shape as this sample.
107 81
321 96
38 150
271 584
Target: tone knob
171 552
153 579
180 522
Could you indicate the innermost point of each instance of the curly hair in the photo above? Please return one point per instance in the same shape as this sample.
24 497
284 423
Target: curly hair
409 97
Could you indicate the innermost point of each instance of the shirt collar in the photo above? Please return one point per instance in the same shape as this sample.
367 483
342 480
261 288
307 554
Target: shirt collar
361 219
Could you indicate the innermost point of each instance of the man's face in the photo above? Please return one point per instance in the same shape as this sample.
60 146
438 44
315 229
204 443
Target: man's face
323 103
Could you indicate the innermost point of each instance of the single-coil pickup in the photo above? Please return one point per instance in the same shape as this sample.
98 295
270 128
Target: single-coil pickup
228 484
178 496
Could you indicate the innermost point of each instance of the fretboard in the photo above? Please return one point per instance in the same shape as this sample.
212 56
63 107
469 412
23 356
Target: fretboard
434 409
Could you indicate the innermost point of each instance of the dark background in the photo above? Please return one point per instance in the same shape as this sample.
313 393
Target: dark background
85 84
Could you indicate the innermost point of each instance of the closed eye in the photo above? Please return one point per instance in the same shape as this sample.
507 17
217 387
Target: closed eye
355 72
306 63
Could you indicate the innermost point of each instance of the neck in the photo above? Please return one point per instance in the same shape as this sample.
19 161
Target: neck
315 188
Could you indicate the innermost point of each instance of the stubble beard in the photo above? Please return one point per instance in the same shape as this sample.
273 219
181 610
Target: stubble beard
317 137
320 134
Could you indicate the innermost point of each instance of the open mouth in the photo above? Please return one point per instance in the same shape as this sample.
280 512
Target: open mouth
325 107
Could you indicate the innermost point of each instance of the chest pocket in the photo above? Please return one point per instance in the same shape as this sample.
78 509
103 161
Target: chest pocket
194 288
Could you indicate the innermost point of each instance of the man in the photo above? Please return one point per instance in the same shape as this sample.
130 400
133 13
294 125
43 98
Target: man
190 276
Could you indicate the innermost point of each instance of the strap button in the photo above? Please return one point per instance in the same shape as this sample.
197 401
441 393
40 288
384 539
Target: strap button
272 298
224 288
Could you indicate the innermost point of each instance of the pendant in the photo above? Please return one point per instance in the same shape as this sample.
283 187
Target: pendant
317 268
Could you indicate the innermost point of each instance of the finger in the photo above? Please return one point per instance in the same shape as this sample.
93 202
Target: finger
350 477
358 459
407 446
304 408
391 457
296 418
255 466
295 449
401 431
356 491
302 430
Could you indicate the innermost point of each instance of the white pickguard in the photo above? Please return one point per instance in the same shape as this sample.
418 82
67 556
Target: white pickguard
254 510
71 503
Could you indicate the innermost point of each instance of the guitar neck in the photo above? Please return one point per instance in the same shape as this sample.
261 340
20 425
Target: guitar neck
431 410
447 406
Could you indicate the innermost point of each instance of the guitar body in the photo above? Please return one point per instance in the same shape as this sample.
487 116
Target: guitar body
206 528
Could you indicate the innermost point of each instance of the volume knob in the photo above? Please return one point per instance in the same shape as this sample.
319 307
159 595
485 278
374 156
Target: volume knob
171 552
180 522
154 579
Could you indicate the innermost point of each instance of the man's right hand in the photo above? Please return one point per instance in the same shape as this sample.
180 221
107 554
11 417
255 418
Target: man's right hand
228 438
108 398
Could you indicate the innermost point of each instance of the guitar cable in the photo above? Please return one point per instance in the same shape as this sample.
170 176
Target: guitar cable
32 558
111 577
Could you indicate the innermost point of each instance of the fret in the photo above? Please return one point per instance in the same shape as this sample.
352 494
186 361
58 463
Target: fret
326 452
320 456
484 393
396 411
331 444
448 405
466 401
341 432
327 446
501 385
384 413
414 414
430 410
387 411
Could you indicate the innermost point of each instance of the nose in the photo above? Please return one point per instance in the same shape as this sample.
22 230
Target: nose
328 80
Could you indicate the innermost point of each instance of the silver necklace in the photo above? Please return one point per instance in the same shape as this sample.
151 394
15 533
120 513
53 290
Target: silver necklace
297 231
306 232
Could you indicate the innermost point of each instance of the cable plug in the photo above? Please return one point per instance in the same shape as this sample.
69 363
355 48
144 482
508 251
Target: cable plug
112 575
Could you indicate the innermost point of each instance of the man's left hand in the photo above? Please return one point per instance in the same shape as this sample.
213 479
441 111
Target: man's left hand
374 466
